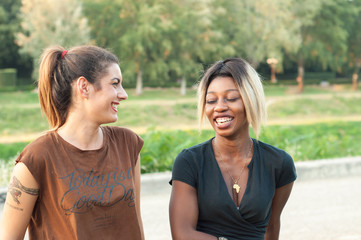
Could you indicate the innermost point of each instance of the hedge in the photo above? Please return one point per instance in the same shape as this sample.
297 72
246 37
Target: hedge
8 77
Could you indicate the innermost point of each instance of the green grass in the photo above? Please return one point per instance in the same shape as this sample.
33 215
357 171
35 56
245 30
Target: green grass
161 113
159 93
20 111
18 98
335 106
303 142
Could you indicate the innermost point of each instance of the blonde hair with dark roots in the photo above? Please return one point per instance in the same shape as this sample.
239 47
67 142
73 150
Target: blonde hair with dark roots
249 85
57 71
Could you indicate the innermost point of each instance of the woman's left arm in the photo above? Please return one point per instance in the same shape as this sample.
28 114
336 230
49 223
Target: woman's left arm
279 201
137 191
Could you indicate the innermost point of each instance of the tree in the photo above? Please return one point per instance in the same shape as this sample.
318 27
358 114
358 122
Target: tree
9 25
51 22
135 31
143 43
354 43
269 30
193 38
258 30
323 34
304 13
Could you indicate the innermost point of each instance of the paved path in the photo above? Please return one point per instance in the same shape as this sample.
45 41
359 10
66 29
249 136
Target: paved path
318 209
328 209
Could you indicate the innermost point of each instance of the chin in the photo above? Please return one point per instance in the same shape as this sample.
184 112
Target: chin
227 133
112 120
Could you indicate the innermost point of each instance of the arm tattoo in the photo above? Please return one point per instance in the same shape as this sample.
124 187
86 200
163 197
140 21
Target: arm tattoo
20 209
16 189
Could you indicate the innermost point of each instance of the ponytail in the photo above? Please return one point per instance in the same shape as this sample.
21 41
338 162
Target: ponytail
47 80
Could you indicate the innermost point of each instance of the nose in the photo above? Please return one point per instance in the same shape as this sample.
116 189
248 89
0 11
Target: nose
221 106
122 94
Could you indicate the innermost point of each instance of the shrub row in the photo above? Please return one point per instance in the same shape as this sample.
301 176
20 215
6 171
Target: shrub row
303 142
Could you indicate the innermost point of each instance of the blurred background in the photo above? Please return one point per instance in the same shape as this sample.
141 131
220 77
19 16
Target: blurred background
307 52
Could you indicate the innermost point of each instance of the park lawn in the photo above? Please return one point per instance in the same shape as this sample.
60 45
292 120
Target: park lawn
302 142
26 119
21 115
168 123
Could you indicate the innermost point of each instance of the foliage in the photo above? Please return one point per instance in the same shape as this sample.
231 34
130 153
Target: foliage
9 151
9 25
303 142
324 33
167 42
160 111
194 40
51 22
261 29
7 77
137 36
354 38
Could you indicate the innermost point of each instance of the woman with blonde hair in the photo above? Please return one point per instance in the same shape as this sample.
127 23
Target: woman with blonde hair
80 180
231 186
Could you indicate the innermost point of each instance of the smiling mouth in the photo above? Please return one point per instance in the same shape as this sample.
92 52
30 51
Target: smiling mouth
223 120
115 107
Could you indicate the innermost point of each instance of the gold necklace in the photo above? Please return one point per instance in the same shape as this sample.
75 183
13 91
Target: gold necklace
235 182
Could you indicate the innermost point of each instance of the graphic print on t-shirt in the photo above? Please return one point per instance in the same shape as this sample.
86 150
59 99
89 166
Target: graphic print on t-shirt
86 189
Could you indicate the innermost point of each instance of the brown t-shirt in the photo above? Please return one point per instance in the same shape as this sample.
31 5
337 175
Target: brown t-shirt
84 194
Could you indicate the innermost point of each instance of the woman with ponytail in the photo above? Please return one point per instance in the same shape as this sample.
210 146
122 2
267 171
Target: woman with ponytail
80 180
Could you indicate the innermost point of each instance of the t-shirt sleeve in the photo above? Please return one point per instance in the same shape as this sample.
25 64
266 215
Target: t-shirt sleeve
288 172
183 169
132 140
33 156
138 143
27 158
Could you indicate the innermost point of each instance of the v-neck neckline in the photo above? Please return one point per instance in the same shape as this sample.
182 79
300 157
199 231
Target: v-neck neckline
249 166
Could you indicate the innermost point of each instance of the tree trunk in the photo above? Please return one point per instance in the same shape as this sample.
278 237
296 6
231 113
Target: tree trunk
183 89
354 81
273 73
139 86
355 75
300 75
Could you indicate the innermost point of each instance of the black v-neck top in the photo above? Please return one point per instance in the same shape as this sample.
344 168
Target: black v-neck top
270 168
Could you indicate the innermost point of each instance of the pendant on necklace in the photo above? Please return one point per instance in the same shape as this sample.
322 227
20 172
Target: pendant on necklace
237 187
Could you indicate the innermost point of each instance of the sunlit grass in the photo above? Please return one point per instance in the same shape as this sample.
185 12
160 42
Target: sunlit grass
162 113
302 142
20 111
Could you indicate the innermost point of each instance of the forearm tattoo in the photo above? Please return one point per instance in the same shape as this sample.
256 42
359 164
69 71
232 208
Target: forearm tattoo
16 189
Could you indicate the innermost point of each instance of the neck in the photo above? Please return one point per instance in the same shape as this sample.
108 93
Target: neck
83 135
233 149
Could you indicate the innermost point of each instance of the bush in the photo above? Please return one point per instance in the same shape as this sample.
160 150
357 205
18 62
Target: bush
8 77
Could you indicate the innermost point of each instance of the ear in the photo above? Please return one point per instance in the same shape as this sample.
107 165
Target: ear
82 86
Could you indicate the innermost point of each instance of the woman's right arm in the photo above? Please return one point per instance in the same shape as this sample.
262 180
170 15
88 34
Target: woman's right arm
183 213
23 192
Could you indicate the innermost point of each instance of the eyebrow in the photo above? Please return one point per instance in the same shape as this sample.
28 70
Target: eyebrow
228 90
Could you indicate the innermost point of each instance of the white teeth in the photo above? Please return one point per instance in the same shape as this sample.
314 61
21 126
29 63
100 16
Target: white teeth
223 120
115 106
